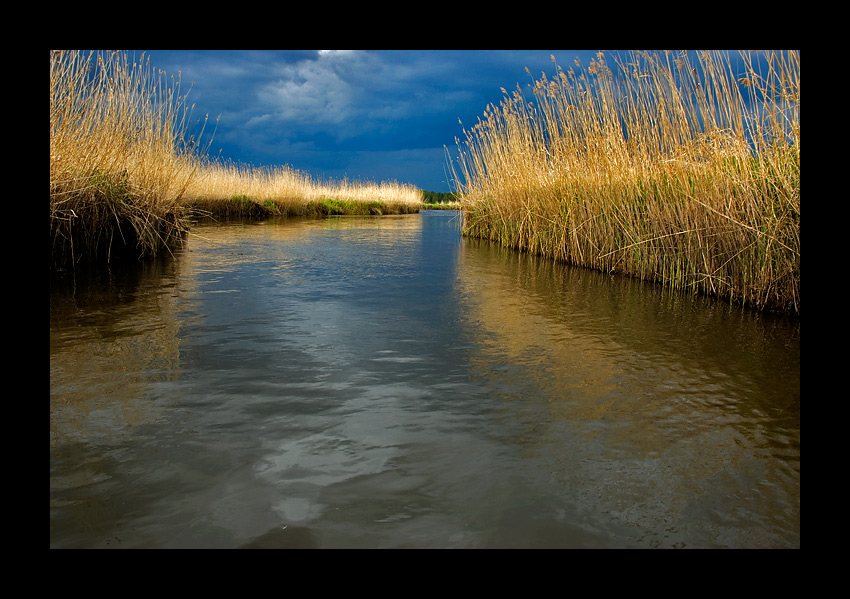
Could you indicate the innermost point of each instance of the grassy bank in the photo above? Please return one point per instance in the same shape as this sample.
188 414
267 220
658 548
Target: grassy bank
682 169
126 177
442 206
228 190
435 200
116 178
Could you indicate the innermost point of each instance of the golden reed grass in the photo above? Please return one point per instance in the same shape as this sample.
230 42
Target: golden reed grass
126 176
227 189
686 173
115 178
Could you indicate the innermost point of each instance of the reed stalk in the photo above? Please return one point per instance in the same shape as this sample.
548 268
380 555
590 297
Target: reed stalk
685 173
116 174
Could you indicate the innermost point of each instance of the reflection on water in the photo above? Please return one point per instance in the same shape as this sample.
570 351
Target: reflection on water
112 332
381 382
673 415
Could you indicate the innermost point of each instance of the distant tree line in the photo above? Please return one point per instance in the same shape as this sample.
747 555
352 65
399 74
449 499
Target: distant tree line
438 197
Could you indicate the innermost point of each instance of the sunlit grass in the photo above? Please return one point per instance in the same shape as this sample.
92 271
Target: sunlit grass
116 177
129 171
222 189
686 174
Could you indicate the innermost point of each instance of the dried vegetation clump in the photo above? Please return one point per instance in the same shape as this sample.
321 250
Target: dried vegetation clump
672 170
117 173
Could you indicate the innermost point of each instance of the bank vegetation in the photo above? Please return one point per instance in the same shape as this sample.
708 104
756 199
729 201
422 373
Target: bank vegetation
228 190
676 167
130 171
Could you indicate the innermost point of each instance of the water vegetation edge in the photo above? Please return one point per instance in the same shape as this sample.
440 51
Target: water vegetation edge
696 202
673 167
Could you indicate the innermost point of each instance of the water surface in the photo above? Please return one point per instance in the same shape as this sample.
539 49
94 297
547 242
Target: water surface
380 382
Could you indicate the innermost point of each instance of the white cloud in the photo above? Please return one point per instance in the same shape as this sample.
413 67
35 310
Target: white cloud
336 52
258 120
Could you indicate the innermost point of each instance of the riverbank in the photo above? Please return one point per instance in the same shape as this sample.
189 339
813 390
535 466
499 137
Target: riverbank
442 206
677 170
126 178
116 180
240 191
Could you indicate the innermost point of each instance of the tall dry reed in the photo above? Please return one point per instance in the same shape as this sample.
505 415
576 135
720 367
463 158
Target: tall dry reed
228 189
682 172
117 171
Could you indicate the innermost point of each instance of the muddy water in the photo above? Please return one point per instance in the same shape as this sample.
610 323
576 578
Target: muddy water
382 382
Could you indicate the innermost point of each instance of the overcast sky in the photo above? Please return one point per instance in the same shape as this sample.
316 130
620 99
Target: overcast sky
368 115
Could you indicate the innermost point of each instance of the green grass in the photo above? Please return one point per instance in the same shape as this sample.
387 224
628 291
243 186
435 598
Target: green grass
329 206
442 206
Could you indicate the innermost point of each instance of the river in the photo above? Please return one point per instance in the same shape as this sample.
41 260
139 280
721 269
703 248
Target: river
382 382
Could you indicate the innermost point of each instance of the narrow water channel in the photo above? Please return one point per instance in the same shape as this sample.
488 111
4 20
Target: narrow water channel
381 382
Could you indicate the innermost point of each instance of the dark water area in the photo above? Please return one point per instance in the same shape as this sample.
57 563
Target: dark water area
381 382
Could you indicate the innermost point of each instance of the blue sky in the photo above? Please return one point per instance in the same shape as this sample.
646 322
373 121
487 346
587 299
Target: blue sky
368 115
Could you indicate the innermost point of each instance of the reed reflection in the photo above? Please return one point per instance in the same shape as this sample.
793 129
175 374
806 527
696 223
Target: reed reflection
113 334
658 409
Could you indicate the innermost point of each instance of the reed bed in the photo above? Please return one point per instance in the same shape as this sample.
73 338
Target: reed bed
234 190
116 175
128 178
675 170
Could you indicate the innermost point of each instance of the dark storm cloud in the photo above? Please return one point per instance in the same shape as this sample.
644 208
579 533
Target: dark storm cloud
374 115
